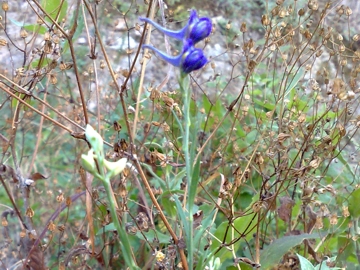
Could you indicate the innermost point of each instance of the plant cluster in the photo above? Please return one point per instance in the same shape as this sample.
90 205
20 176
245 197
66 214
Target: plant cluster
244 156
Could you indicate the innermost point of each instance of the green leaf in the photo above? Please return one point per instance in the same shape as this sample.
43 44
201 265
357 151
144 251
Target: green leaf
304 263
242 226
354 200
151 234
169 204
55 9
36 28
274 252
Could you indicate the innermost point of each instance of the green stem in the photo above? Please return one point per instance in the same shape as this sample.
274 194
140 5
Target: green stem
190 200
124 241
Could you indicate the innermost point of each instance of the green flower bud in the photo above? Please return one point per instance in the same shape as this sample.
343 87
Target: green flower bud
88 161
94 139
114 168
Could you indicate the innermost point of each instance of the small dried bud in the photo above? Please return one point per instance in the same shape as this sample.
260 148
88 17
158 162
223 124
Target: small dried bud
343 62
348 11
5 6
117 126
333 219
315 163
290 9
345 211
265 20
282 137
39 21
340 37
340 10
356 37
277 32
319 223
301 12
60 198
102 64
56 39
3 42
47 36
313 5
243 27
342 48
51 226
53 79
23 33
319 53
275 11
282 13
29 212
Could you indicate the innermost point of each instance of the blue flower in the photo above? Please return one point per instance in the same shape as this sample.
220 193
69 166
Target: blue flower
196 29
188 60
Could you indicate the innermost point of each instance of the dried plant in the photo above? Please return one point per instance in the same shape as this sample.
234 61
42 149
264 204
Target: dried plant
237 151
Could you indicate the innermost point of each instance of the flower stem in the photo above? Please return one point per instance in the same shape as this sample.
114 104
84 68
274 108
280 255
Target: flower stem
124 241
184 85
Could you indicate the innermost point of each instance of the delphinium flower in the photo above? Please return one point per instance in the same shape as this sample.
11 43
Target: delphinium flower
196 29
190 58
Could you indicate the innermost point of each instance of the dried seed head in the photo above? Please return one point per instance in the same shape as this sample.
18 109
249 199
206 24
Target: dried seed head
340 10
60 198
348 11
275 11
53 79
279 2
47 36
243 27
5 6
340 37
290 9
343 62
313 5
102 64
117 126
319 223
3 42
356 37
319 53
23 33
301 12
283 13
265 20
315 163
51 226
345 211
29 212
282 137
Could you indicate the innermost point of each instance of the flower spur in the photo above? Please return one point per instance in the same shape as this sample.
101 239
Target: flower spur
196 29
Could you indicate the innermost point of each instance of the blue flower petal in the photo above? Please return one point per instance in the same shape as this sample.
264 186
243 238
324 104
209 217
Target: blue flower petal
192 58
